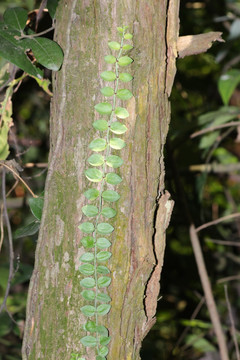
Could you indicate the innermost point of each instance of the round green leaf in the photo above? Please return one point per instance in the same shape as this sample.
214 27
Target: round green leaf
102 330
16 17
88 294
128 36
108 212
86 269
91 194
100 125
94 175
105 228
114 161
103 351
127 47
87 257
114 45
125 77
122 113
118 128
120 30
86 227
108 75
88 282
103 243
110 59
98 144
117 143
104 281
110 195
103 108
101 269
105 340
90 326
103 255
88 310
89 341
114 179
96 160
103 298
124 94
107 91
124 61
90 210
88 242
47 52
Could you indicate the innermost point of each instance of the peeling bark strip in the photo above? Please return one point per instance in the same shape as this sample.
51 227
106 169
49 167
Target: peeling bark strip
54 322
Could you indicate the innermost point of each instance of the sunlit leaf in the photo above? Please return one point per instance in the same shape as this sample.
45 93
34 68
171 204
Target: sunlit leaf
88 282
103 243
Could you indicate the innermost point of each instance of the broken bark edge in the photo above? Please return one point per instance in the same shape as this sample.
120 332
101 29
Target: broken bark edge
197 44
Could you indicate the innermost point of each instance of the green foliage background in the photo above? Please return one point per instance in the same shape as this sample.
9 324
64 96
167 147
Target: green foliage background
208 195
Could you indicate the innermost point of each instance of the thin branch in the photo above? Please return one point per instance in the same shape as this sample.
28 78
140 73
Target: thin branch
233 329
212 308
228 278
217 221
10 241
213 128
223 242
25 36
19 177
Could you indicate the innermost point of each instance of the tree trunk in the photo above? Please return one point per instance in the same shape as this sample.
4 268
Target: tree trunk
54 321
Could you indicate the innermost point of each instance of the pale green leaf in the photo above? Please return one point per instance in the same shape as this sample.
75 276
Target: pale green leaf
103 243
88 294
90 210
98 144
103 255
91 194
100 125
103 108
102 297
96 160
114 45
113 179
86 269
101 269
124 94
86 227
127 47
87 257
118 128
228 83
103 309
125 77
94 175
110 195
128 36
110 59
114 161
88 242
120 30
89 341
108 212
88 282
90 326
105 340
117 143
102 330
107 91
124 61
88 310
103 351
105 228
104 281
121 112
108 75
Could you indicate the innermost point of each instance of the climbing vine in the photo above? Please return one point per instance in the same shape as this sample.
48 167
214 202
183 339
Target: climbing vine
103 161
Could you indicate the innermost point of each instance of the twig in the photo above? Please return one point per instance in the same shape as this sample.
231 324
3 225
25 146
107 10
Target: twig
217 221
228 278
213 128
233 329
40 12
212 308
10 241
19 177
24 36
223 242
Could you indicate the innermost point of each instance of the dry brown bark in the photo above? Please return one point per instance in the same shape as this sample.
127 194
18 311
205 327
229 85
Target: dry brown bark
54 322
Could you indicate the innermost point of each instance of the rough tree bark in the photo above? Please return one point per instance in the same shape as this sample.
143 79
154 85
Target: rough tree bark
54 322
